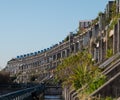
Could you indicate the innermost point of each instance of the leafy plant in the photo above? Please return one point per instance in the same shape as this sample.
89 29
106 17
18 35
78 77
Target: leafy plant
96 82
4 77
80 72
109 53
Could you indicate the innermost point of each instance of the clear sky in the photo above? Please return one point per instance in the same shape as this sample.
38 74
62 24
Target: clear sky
30 25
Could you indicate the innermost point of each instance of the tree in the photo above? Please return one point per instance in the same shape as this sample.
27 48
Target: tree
4 77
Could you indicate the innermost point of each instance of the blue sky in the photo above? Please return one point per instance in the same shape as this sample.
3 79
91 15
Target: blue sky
30 25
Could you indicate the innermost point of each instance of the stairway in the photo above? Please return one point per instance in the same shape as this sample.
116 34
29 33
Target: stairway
112 72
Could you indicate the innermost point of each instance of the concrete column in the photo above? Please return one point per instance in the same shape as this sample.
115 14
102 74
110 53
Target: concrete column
106 41
119 36
79 46
70 48
115 40
74 47
61 54
98 55
95 53
65 53
101 50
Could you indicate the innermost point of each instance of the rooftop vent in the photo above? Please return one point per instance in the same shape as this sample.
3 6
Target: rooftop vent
21 56
47 48
31 54
28 55
25 55
18 57
35 53
38 51
41 51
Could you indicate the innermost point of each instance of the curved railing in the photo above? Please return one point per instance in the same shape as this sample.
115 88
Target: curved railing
23 94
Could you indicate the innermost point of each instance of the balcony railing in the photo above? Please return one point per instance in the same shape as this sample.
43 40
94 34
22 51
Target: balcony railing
23 94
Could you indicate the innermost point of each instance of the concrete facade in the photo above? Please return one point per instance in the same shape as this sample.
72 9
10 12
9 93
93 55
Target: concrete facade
95 38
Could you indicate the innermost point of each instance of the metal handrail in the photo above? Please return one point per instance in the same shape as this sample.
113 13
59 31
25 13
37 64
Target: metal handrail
22 94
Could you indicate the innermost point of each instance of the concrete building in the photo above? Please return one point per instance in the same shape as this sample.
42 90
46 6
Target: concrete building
96 38
118 6
84 24
109 8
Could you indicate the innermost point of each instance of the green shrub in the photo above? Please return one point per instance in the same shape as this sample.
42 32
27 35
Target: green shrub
109 53
80 72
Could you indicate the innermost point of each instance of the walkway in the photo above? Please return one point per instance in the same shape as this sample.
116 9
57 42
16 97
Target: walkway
53 93
52 97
